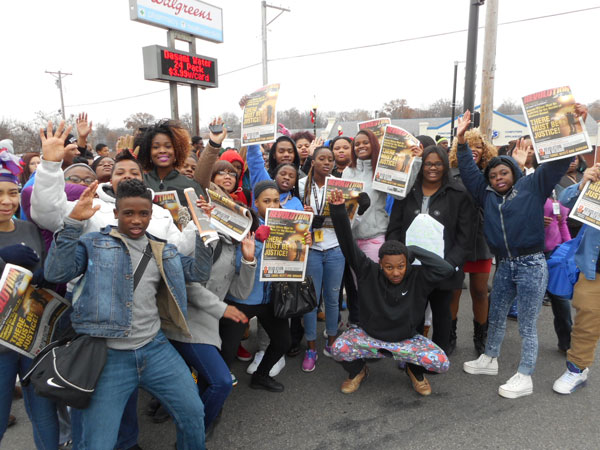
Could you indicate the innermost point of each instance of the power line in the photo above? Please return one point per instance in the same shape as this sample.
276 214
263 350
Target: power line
347 49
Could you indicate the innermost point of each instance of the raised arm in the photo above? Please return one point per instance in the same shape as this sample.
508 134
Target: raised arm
209 156
436 269
470 174
49 205
355 257
256 165
568 197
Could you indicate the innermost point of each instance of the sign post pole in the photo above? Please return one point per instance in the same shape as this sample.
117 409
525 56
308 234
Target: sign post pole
173 84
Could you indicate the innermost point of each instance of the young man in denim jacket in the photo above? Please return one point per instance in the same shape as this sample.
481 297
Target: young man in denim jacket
106 305
586 328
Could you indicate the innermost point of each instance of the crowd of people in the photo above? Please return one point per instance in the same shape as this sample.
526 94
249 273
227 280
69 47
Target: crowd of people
83 221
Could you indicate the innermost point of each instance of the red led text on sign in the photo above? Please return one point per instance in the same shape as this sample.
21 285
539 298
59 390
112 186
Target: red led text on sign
187 66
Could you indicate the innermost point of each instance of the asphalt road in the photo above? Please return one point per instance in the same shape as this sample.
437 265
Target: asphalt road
464 411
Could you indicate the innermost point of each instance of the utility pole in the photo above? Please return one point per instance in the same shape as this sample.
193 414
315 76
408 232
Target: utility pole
456 63
265 24
489 69
59 76
469 95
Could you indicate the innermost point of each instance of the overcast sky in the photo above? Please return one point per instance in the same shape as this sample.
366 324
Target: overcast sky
98 43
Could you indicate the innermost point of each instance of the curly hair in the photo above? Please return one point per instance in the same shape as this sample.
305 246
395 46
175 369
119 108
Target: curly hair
473 137
132 188
180 138
303 135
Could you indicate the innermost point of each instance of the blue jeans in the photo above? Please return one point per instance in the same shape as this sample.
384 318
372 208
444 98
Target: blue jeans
523 278
211 368
157 368
327 270
41 411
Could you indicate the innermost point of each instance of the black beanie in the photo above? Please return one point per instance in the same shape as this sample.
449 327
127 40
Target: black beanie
264 185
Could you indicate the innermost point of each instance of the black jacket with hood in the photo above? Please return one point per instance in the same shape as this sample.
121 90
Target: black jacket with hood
389 312
452 206
273 163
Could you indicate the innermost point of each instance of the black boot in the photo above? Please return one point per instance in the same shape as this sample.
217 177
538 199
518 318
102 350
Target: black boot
452 341
479 336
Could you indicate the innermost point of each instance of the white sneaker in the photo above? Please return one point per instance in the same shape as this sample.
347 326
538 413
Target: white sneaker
484 365
518 385
570 381
279 365
255 363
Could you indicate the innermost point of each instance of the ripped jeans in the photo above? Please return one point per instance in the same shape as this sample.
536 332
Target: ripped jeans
524 279
327 270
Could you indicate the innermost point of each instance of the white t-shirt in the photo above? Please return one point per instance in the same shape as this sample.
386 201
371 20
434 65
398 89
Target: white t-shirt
329 237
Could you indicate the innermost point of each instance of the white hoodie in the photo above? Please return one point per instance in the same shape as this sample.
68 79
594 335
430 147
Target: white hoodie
49 207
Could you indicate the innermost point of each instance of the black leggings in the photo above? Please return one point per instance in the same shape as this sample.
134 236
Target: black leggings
441 317
277 329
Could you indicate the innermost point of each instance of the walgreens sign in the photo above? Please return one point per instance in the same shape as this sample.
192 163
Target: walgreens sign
194 17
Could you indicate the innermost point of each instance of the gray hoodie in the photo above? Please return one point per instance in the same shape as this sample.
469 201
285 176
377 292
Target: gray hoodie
374 221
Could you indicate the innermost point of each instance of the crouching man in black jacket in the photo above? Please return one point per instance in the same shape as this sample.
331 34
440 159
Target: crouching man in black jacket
392 297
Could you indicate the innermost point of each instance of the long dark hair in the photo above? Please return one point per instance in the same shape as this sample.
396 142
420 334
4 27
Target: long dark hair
273 163
309 177
374 148
441 152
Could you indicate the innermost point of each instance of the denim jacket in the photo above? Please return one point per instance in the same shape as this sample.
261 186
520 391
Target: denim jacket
586 256
103 297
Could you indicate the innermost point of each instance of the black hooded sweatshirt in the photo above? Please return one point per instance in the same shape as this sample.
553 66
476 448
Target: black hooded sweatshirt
390 312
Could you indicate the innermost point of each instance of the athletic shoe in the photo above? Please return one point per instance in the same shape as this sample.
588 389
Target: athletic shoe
243 354
570 381
254 364
234 380
279 365
328 350
484 365
294 351
310 360
352 384
518 385
265 382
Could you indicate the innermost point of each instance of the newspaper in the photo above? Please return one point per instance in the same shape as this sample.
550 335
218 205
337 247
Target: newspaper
170 201
587 206
377 126
556 131
228 217
259 119
284 253
201 220
350 189
397 168
28 316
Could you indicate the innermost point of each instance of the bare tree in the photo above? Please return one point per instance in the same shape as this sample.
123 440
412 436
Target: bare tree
138 120
508 106
398 109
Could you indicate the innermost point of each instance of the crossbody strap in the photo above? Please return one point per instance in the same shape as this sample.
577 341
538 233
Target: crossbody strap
139 271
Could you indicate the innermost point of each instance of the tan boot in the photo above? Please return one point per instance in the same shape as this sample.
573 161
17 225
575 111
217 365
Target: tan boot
352 384
422 387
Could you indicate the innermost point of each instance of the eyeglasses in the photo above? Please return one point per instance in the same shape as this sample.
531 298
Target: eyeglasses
76 179
226 173
437 165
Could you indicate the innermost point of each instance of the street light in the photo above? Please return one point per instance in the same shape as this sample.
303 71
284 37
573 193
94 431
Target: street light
313 117
456 63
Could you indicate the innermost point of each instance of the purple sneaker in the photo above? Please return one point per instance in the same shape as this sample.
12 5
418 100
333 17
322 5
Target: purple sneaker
328 350
310 360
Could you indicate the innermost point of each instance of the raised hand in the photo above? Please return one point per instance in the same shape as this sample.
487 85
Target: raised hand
519 153
417 150
248 247
218 138
243 101
462 126
124 143
316 143
84 208
581 111
53 143
83 128
591 174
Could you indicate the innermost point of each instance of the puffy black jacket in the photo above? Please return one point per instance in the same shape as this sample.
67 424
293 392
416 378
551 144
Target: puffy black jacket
453 208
